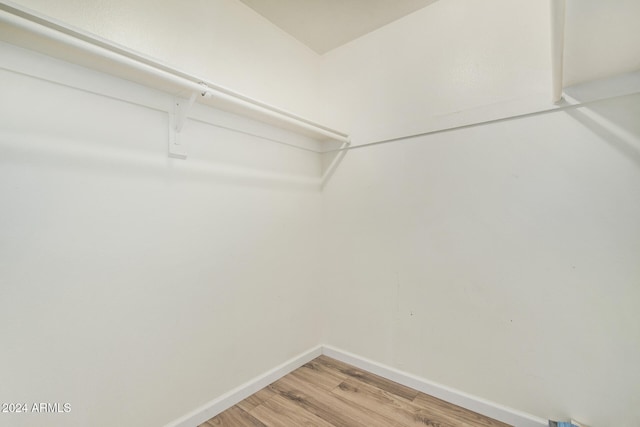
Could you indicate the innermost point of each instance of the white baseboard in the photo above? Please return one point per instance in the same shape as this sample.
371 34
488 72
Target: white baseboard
468 401
227 400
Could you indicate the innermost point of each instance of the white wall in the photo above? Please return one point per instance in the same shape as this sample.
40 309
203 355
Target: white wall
601 39
223 41
500 260
438 65
137 287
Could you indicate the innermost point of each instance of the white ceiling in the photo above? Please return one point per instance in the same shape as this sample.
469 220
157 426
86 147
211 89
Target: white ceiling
326 24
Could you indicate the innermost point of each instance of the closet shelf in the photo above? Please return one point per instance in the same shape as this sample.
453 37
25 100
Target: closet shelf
25 28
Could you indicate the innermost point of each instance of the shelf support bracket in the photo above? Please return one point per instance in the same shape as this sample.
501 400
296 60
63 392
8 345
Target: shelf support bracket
177 116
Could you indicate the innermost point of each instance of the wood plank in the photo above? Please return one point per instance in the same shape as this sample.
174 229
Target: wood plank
280 412
256 399
455 412
234 417
322 370
333 409
389 405
369 378
317 378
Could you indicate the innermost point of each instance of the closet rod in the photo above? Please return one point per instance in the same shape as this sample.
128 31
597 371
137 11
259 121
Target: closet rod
58 32
554 109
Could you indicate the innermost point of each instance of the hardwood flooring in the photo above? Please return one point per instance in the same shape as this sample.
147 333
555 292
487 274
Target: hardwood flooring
329 393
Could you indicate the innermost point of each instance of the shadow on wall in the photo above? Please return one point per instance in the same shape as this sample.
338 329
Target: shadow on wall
616 122
50 152
331 159
95 132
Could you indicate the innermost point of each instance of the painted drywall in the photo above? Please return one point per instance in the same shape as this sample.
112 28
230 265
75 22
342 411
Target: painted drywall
601 39
140 287
136 287
501 260
223 41
325 25
442 62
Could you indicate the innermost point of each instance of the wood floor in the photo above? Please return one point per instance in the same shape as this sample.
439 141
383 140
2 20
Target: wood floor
328 393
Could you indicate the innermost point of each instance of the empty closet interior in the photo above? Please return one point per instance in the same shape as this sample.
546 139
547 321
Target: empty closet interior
195 199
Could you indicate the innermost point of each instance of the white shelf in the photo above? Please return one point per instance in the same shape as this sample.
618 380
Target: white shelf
30 30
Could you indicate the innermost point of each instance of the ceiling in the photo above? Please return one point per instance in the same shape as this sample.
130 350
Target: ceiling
324 25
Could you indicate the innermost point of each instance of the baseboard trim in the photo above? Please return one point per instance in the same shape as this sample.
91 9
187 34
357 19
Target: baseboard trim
457 397
227 400
499 412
